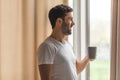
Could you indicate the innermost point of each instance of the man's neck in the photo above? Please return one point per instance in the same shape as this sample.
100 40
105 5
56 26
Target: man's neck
58 36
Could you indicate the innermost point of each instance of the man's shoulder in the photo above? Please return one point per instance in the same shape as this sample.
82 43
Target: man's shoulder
47 43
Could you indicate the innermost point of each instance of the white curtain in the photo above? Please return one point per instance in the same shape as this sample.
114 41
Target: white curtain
23 26
17 50
115 41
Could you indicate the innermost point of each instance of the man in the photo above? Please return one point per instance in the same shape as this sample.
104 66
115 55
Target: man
55 55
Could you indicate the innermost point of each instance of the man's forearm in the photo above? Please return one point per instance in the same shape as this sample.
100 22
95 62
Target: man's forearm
81 64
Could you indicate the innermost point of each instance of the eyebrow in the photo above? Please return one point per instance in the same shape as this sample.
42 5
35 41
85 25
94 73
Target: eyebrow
70 17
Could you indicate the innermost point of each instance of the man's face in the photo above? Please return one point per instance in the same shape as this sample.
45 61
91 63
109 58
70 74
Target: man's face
67 24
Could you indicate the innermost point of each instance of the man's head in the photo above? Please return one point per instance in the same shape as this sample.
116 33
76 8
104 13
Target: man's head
62 13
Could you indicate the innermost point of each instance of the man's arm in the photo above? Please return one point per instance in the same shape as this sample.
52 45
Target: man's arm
81 64
45 71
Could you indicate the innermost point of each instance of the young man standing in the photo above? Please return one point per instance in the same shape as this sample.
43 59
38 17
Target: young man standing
55 55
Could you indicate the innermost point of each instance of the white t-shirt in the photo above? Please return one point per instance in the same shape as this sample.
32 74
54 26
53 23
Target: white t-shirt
61 56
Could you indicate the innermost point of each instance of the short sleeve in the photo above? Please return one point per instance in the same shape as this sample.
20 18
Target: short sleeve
45 54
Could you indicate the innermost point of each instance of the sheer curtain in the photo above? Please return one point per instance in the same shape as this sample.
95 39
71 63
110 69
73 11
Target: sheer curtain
23 26
115 41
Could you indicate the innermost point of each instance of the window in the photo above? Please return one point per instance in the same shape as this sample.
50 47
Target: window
100 36
92 19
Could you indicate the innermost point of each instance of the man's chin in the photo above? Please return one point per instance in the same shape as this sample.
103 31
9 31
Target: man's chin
68 33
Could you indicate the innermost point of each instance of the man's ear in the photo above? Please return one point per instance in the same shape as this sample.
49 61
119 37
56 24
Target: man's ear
59 20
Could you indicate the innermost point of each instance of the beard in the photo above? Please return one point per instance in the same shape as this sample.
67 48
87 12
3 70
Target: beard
65 29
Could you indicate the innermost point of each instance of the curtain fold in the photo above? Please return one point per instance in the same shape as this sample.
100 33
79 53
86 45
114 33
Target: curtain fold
115 41
28 39
10 40
24 25
118 43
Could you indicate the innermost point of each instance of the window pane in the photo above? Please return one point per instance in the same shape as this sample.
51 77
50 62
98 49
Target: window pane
100 36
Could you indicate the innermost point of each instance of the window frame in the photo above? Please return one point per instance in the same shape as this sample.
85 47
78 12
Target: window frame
77 30
77 4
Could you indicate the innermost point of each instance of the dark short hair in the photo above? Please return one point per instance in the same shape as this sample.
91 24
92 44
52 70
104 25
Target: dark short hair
58 11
